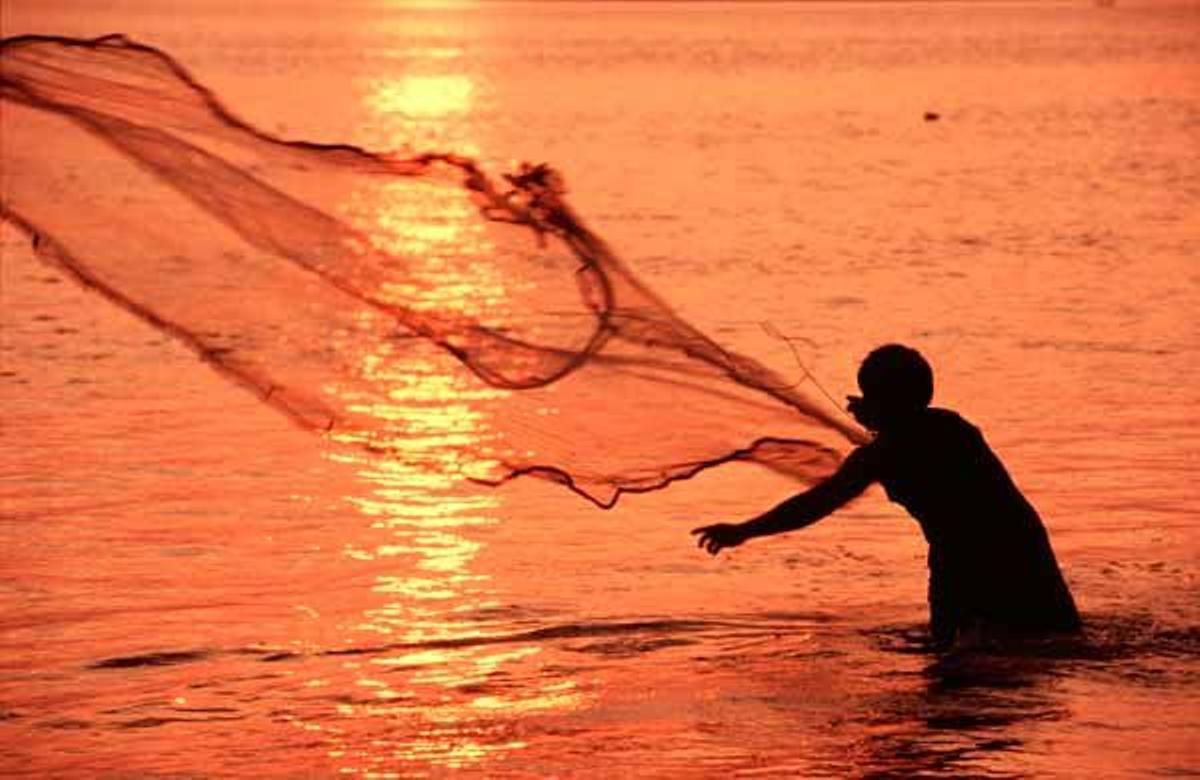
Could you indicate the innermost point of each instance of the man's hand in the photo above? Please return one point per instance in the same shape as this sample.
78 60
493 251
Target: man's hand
715 538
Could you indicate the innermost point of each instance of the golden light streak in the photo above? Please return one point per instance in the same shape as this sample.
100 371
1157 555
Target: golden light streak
426 598
423 96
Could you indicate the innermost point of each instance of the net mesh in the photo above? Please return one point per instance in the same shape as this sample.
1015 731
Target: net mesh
338 284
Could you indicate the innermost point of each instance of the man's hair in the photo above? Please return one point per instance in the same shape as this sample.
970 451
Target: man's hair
898 376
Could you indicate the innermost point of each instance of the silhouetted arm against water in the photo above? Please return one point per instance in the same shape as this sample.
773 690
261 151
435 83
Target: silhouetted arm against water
799 511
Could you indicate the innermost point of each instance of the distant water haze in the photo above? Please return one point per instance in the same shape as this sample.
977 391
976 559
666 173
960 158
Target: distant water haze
193 585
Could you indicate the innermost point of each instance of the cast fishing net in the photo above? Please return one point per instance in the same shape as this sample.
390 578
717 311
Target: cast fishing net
344 286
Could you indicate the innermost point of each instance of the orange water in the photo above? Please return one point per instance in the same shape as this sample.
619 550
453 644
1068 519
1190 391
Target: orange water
192 587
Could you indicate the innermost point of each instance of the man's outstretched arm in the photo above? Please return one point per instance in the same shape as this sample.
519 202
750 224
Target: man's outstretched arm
802 509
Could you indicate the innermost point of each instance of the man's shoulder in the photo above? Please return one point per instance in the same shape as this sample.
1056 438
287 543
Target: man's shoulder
935 428
948 418
953 430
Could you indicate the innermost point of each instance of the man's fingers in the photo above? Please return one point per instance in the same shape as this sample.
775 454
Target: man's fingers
708 538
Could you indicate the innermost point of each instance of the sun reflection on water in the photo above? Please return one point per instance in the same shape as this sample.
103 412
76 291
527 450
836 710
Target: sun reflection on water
451 675
430 110
424 96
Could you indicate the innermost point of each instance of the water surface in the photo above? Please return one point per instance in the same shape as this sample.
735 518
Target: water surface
192 586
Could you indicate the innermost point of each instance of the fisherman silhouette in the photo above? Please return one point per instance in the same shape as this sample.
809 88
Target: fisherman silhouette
991 567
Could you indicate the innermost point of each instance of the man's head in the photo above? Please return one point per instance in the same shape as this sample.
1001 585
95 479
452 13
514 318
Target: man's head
896 383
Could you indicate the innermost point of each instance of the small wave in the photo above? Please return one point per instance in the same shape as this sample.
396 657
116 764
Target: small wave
1136 650
1067 345
163 658
150 723
1106 640
610 638
647 634
1115 637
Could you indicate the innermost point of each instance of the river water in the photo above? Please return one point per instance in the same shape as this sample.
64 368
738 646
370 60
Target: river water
193 587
